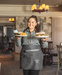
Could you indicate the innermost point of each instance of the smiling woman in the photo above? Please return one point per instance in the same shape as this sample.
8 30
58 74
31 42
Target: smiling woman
31 56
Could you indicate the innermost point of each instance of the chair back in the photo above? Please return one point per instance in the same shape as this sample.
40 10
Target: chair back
59 51
50 44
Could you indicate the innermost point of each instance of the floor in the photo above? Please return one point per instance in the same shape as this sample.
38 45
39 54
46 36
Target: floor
10 67
5 56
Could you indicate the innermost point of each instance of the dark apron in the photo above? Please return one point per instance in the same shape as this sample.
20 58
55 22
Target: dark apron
31 57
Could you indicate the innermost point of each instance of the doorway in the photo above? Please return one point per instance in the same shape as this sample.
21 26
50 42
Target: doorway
6 37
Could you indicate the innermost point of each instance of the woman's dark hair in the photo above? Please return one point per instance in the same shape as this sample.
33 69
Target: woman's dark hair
33 16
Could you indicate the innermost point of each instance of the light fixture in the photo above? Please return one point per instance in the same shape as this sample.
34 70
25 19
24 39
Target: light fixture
11 19
57 5
42 8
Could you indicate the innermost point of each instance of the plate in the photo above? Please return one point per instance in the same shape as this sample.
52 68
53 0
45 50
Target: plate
21 35
41 36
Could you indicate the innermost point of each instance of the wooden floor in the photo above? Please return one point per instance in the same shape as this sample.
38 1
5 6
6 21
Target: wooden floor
5 56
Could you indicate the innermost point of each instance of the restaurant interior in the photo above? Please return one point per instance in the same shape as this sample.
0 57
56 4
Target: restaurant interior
13 16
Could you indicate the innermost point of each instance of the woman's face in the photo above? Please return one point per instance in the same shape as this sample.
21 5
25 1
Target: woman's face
32 23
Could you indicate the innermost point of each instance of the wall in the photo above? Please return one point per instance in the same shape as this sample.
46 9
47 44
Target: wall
56 32
5 21
25 10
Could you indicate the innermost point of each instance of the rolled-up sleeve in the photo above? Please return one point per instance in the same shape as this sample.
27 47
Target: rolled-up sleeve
18 42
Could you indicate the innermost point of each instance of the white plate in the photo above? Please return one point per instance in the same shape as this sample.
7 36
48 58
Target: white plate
21 35
15 31
41 36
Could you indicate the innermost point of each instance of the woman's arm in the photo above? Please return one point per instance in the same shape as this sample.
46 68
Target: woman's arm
44 43
44 40
18 41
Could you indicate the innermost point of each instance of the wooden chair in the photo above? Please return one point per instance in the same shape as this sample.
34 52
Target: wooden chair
50 44
45 55
50 49
59 52
46 49
52 54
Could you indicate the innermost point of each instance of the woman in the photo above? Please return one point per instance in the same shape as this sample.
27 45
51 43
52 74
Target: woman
31 55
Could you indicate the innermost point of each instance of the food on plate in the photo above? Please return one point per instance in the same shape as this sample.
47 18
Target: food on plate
15 32
22 33
40 34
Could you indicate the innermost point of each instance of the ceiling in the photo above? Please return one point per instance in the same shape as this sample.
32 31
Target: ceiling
30 2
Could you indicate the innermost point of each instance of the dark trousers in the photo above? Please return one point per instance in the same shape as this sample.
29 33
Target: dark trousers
31 72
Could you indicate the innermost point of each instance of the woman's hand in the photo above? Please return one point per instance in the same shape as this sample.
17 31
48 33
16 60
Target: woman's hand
44 40
17 37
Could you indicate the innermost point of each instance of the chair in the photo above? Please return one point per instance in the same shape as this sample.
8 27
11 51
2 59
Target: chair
50 44
59 52
50 47
46 56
